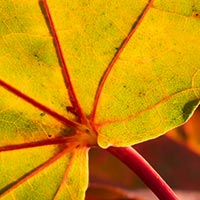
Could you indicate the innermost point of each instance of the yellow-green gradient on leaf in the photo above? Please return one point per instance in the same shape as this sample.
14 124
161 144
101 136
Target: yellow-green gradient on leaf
155 83
73 72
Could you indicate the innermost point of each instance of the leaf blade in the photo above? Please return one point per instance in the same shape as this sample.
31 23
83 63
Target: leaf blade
54 170
151 74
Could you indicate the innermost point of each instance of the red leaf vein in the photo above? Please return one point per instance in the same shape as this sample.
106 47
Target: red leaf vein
65 71
115 58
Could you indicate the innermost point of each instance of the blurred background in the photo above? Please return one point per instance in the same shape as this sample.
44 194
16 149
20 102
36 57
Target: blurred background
175 156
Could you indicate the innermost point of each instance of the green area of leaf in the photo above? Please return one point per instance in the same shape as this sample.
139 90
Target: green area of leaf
188 134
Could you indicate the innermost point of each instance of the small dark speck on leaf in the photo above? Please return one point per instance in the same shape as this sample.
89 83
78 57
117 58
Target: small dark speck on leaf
49 136
141 94
42 114
36 55
194 8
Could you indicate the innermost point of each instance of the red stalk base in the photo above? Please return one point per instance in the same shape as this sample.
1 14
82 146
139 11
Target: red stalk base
142 168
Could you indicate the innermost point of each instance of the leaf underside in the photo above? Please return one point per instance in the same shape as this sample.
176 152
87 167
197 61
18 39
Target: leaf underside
74 73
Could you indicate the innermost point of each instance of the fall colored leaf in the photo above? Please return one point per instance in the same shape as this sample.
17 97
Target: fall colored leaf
156 79
80 73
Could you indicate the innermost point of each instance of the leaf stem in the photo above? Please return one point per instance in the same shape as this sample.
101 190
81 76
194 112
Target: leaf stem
142 168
